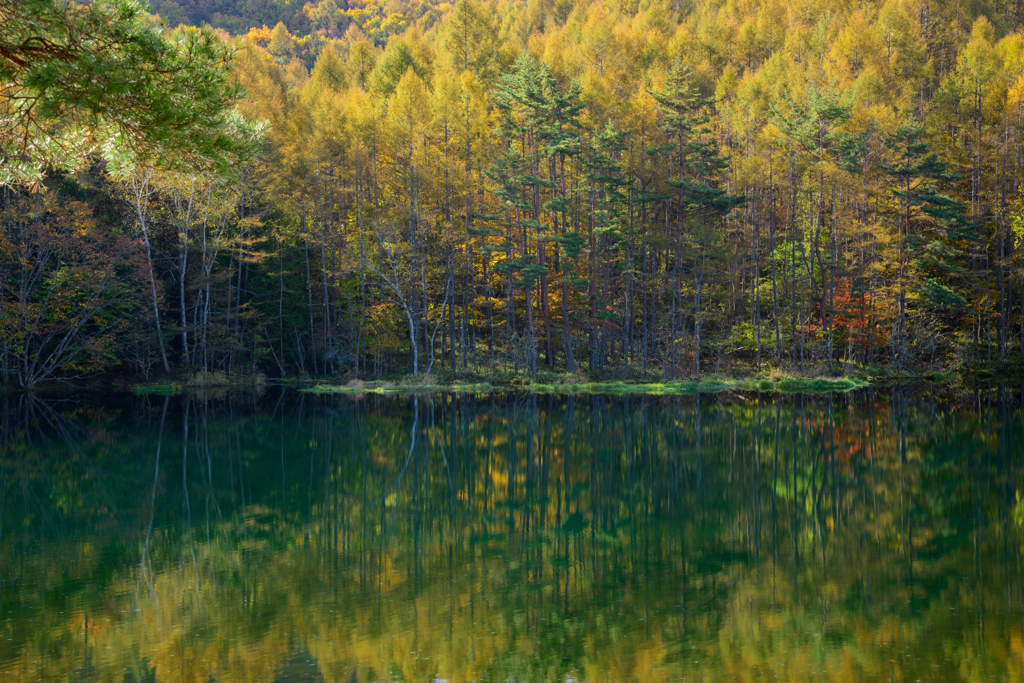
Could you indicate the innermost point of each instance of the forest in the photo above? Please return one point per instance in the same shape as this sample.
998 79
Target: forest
620 189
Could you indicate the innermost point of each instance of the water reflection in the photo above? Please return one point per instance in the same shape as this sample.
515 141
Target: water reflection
871 536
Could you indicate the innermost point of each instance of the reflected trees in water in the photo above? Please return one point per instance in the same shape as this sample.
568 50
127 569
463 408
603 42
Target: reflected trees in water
868 536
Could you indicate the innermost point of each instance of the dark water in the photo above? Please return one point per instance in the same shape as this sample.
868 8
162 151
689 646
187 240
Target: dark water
874 536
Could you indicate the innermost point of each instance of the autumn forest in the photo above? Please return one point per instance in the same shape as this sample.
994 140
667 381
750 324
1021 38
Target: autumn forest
617 189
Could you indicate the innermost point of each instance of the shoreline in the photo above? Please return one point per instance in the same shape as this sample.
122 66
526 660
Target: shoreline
673 388
771 380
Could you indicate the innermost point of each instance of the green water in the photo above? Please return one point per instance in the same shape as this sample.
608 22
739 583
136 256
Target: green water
869 536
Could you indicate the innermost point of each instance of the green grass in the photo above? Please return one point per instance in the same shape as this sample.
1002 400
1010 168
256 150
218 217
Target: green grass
199 381
381 387
819 385
218 379
156 389
784 385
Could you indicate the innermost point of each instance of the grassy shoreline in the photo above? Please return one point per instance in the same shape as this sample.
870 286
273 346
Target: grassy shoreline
815 379
673 388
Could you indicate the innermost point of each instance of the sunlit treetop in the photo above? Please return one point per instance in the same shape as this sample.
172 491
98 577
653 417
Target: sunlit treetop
80 80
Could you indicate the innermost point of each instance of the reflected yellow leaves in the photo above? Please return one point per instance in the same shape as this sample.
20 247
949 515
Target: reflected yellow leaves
757 543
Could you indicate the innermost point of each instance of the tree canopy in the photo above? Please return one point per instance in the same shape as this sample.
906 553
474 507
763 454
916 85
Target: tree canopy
84 79
638 189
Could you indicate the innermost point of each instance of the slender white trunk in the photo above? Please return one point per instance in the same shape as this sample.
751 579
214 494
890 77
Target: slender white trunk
140 192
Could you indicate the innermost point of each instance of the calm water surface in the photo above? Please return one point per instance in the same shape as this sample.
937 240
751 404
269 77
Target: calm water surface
874 536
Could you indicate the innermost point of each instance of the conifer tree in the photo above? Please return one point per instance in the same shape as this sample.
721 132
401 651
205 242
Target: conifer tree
929 224
695 165
79 80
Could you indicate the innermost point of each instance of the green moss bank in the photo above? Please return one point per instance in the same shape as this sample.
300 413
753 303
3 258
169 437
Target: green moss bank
569 386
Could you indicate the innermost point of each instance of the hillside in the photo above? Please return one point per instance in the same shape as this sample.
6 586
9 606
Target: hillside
634 189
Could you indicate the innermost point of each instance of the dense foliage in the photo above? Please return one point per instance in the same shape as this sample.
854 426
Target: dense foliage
649 187
80 81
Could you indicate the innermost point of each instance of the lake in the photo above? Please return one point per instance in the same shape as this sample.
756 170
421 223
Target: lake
869 536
